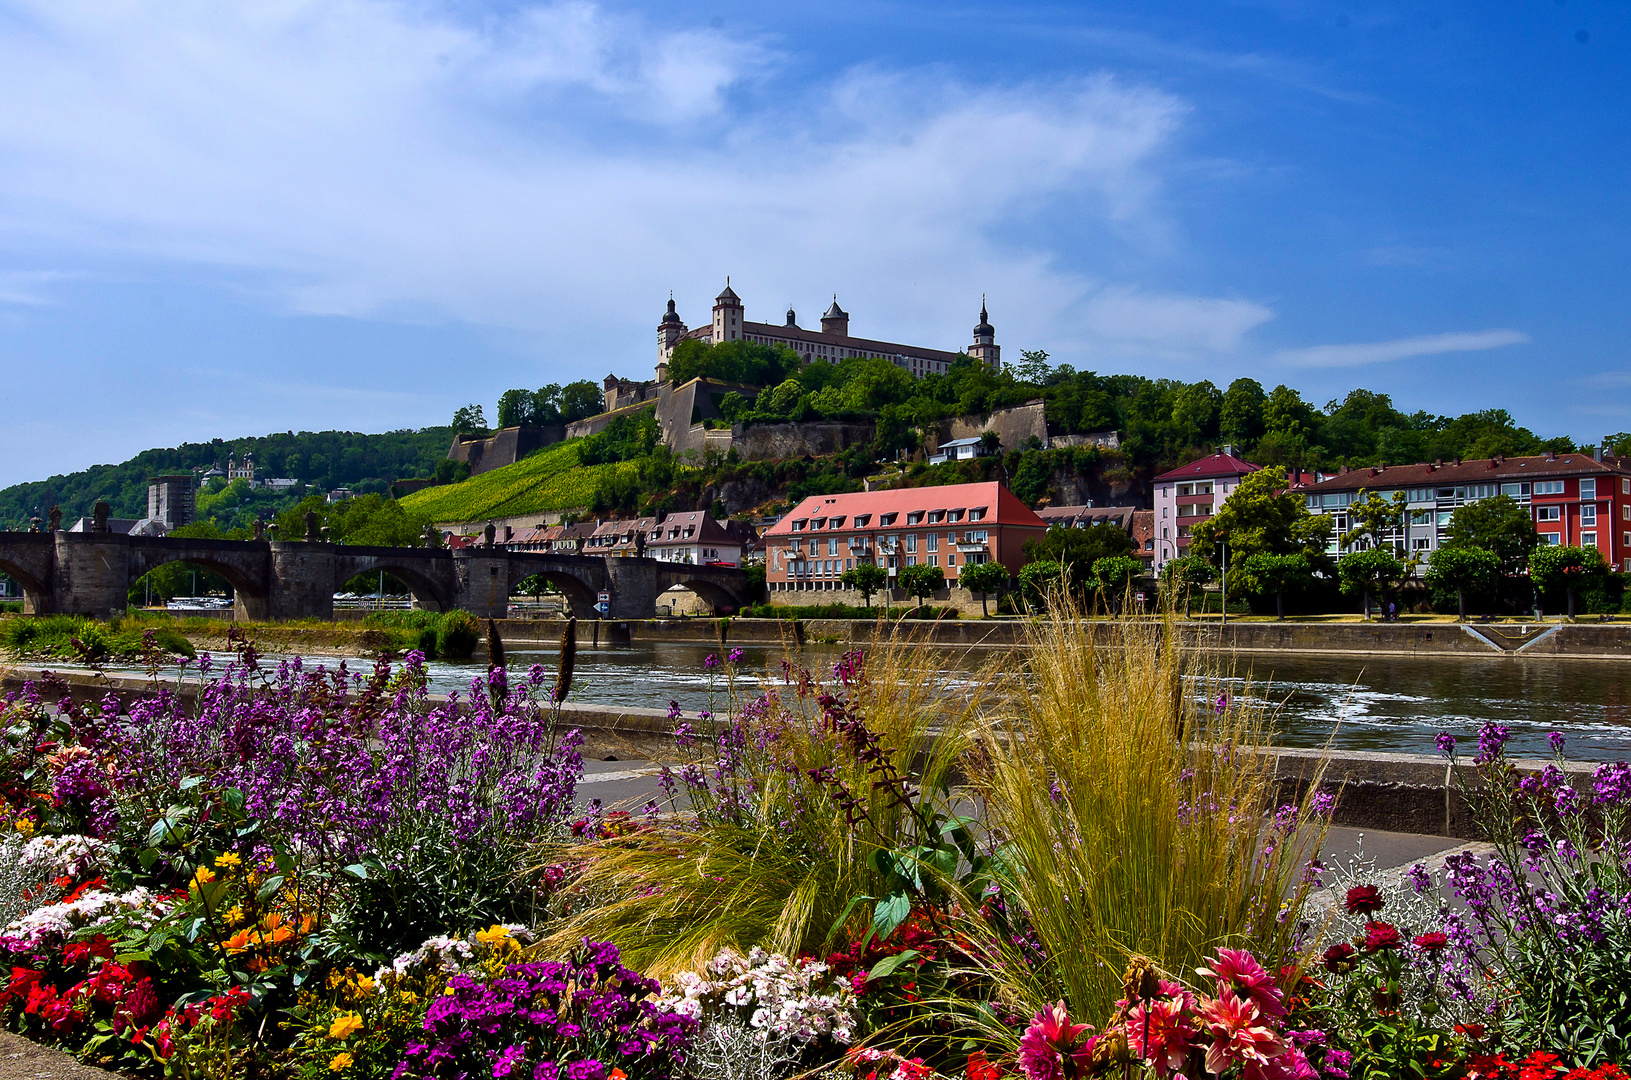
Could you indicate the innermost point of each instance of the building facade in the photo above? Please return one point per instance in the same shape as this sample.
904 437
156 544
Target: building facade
951 527
1188 495
832 342
1580 499
695 538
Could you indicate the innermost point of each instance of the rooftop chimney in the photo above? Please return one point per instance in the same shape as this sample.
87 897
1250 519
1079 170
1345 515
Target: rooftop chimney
1597 455
1438 463
1551 455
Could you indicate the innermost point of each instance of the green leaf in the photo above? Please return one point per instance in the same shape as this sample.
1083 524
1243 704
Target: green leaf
888 916
358 871
190 782
233 799
890 964
268 889
147 857
843 917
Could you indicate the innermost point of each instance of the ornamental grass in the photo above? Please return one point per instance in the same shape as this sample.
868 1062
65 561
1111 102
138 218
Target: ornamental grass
776 813
1127 791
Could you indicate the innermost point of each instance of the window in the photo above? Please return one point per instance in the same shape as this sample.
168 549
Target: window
886 520
911 560
934 542
1625 512
936 516
955 515
1588 489
1421 517
1548 513
1421 543
838 522
862 520
1588 513
1515 491
914 517
832 545
976 513
1548 487
1551 538
951 558
798 547
818 523
1625 487
1625 540
911 542
1588 539
934 560
801 524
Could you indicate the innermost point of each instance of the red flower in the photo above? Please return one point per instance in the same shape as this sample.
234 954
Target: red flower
1364 900
1432 942
981 1069
1381 935
1339 958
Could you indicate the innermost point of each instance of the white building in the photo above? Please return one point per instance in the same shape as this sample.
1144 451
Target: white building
694 538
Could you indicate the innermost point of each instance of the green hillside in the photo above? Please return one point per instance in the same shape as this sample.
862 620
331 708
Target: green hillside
550 480
320 459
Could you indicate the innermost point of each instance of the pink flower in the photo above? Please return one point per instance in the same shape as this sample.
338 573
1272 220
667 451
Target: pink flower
1238 970
1171 1033
1237 1037
1046 1044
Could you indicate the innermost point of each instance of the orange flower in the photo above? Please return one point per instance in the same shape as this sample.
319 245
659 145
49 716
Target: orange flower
240 941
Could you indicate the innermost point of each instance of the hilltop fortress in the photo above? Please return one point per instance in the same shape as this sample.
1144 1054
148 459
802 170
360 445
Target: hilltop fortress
688 415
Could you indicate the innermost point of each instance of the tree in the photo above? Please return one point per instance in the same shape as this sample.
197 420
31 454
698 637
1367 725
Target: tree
990 442
921 580
1498 525
580 400
1040 577
1370 571
1259 518
865 578
984 578
1186 574
1240 416
1568 568
1277 574
1462 570
1032 367
1076 550
1114 575
514 408
469 421
1375 519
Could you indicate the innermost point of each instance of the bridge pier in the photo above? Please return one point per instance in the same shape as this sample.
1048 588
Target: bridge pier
633 585
302 582
481 582
92 574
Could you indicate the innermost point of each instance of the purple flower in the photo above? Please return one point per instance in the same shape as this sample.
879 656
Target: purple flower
1336 1063
674 712
1420 879
736 656
1611 784
1492 738
1445 743
535 676
710 662
498 681
1556 740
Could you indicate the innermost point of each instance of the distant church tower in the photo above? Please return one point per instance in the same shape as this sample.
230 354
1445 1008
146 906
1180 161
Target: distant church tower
985 347
669 333
727 315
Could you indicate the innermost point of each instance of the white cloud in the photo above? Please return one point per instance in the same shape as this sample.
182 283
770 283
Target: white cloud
556 170
1383 351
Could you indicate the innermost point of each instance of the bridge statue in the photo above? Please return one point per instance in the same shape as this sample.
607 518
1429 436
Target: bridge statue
260 529
432 538
314 527
99 516
92 573
54 520
489 534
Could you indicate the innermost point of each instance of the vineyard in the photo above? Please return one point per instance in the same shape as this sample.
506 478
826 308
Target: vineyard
550 480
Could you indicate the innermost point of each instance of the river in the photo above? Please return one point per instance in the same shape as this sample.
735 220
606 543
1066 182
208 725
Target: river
1358 703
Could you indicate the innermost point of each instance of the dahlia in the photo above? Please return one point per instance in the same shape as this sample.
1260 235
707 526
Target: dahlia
1238 971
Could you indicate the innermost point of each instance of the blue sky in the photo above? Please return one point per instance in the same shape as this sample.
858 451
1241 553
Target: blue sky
231 219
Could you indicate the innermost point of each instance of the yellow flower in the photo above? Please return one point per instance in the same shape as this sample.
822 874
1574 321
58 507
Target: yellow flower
203 876
345 1025
492 935
233 915
227 860
25 826
339 1062
365 985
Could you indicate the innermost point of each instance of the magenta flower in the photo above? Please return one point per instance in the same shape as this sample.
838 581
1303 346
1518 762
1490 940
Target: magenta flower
1238 972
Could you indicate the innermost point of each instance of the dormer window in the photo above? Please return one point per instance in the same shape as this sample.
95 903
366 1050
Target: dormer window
914 517
862 520
886 520
976 513
936 516
818 523
838 522
801 525
955 515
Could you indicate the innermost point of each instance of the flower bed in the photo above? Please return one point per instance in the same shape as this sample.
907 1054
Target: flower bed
321 873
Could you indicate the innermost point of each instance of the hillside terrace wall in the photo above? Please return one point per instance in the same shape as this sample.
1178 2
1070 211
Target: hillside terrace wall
1397 792
505 446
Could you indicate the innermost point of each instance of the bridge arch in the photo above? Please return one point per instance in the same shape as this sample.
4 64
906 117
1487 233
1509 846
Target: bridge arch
579 584
723 600
431 594
249 592
36 593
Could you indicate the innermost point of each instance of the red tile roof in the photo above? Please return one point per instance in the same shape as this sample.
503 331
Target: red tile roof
1474 471
1001 506
1208 467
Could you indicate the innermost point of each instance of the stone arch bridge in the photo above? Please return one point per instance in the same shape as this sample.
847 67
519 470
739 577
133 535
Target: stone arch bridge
91 574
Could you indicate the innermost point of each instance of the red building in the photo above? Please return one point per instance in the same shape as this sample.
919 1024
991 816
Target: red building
950 527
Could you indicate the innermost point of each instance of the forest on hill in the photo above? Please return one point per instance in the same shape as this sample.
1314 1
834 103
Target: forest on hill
320 460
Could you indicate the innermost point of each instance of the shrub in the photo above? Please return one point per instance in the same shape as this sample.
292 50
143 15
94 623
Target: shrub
457 634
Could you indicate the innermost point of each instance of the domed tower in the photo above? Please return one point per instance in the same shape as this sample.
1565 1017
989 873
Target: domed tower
985 347
792 317
727 315
669 333
836 320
